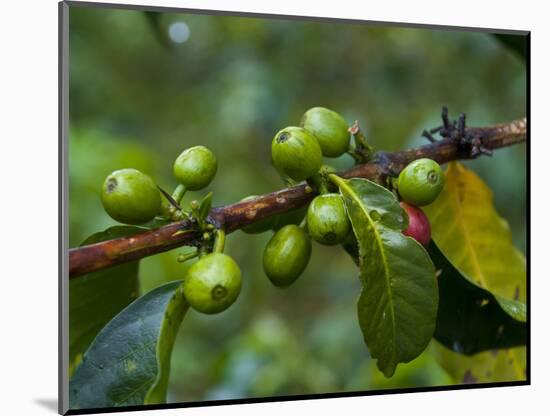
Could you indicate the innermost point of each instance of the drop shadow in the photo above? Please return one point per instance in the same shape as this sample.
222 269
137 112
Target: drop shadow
49 404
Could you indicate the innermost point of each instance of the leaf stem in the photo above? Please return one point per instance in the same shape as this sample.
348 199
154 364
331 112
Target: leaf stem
335 179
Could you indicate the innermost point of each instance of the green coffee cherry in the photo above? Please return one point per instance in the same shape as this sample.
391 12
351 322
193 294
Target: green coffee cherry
296 153
261 225
420 182
294 217
195 167
213 283
330 129
130 196
327 221
286 255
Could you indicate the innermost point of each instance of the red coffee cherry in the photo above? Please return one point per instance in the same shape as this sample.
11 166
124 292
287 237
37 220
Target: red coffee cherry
419 225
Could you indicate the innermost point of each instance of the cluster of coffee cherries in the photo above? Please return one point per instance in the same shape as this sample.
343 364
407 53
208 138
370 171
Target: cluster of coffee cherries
214 282
297 153
129 196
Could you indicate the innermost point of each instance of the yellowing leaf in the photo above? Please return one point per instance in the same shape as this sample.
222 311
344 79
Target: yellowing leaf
476 240
478 243
486 367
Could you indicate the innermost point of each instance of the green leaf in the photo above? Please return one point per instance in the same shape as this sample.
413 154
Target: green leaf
128 363
95 298
516 43
160 32
490 366
398 304
514 308
470 319
476 240
116 231
157 222
205 206
351 246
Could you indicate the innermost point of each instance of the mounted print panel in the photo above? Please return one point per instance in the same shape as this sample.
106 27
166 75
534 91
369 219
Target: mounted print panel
267 208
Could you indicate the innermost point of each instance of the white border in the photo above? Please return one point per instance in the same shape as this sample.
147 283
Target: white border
29 204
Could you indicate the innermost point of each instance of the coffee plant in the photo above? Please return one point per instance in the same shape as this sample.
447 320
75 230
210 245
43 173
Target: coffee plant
434 258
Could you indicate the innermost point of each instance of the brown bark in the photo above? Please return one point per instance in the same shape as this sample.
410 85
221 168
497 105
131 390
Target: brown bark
98 256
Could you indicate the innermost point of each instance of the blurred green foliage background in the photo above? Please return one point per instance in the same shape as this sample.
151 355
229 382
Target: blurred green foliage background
145 86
